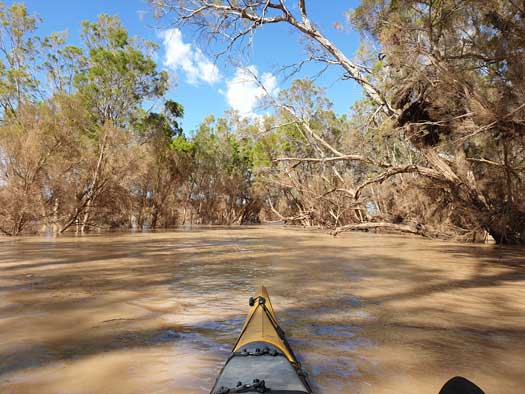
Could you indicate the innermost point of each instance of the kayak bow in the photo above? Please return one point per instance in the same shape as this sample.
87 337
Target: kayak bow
261 361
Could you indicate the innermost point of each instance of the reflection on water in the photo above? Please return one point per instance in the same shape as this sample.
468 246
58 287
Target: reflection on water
159 312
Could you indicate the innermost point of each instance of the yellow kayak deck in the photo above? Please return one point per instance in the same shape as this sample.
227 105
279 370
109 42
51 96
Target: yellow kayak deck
261 326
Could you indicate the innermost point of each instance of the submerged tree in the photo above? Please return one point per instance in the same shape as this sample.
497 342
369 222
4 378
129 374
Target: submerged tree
64 150
164 165
435 147
118 76
219 188
457 79
449 84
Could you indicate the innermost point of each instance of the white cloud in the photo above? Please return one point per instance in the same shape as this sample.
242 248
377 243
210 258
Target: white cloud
179 55
243 92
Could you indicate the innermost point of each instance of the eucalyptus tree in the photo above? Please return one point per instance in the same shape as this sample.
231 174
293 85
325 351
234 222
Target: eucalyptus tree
457 79
19 49
164 166
219 189
31 133
68 141
119 75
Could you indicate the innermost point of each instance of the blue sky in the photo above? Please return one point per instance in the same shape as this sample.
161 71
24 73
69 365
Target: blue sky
202 85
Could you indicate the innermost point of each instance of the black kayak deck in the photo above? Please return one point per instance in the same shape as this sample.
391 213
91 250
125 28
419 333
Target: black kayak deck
259 367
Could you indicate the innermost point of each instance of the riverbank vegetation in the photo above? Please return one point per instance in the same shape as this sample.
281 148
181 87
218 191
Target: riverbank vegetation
436 146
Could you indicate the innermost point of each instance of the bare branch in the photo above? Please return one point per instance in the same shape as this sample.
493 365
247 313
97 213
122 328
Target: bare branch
302 8
342 157
495 164
206 13
383 225
427 172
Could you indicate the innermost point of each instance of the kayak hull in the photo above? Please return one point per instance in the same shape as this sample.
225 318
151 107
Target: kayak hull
261 360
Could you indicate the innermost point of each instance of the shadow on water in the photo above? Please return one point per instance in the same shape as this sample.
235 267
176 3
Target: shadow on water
361 310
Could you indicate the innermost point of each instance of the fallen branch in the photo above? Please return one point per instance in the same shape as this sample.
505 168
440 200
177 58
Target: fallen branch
302 216
404 228
360 158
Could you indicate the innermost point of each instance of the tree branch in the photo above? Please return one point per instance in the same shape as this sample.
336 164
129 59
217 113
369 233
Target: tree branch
395 170
341 157
404 228
201 11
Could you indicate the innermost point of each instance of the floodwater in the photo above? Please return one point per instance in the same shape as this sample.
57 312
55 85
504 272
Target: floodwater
158 312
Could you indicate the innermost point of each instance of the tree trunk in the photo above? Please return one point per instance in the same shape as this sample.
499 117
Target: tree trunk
154 216
94 183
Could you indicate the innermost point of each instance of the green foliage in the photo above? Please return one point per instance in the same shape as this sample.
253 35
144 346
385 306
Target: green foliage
18 48
62 62
218 144
120 74
182 145
163 127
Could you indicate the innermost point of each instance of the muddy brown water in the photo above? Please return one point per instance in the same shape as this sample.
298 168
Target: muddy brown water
158 312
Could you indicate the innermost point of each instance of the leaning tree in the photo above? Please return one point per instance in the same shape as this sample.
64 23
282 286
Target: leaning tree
449 81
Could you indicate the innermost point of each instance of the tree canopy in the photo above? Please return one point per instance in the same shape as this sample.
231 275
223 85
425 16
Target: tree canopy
435 147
